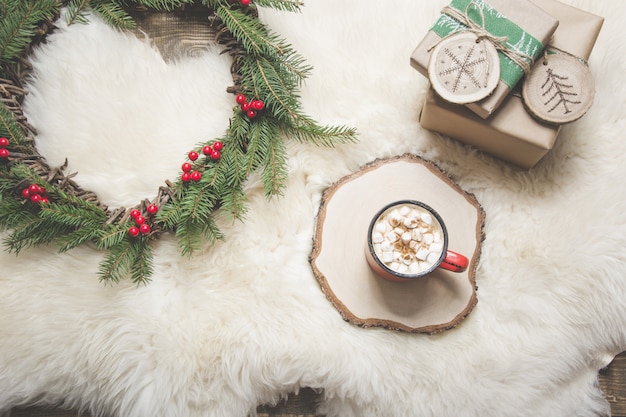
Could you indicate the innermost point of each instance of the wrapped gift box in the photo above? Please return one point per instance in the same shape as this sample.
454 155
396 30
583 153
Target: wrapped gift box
523 18
511 133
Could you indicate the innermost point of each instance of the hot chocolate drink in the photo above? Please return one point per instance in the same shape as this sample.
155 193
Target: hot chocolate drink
408 239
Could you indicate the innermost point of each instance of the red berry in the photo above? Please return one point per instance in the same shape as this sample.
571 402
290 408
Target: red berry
133 231
257 105
40 189
215 155
186 167
4 142
186 177
4 153
251 114
245 2
140 220
152 209
240 99
33 188
144 228
44 200
135 213
35 198
207 150
26 193
245 107
193 155
196 176
218 146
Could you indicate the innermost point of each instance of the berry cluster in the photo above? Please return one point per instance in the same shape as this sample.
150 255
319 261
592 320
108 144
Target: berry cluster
251 108
35 193
4 152
140 221
191 172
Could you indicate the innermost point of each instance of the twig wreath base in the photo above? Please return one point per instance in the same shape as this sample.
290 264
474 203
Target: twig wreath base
40 204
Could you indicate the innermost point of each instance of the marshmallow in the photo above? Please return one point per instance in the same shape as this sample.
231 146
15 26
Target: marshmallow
377 237
391 236
387 257
433 257
436 247
422 253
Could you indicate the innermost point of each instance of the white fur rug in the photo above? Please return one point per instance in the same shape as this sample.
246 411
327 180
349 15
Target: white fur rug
245 322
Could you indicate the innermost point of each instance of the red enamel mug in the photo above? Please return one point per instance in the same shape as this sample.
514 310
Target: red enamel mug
408 239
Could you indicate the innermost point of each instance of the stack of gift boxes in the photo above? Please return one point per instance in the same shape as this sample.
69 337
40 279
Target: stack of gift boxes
505 75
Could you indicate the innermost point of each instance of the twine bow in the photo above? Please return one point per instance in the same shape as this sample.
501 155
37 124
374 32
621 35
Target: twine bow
521 59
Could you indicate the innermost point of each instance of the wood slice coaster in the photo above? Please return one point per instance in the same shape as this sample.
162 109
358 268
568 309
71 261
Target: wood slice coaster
432 304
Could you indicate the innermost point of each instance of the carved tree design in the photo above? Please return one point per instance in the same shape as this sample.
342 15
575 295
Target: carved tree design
555 84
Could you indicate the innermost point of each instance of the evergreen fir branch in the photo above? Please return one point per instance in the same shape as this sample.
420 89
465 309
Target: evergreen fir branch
274 175
13 213
4 8
198 202
166 5
249 31
211 232
142 268
18 26
7 184
112 13
127 259
113 235
283 5
237 136
277 88
267 150
258 140
170 215
84 234
71 216
189 234
308 131
230 187
76 10
33 232
10 128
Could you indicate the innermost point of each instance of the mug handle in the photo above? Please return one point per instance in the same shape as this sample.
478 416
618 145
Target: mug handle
454 262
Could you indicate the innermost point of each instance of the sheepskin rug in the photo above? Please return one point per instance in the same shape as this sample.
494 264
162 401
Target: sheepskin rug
244 322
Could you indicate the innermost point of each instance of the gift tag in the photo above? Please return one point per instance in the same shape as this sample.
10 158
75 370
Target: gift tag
559 89
463 68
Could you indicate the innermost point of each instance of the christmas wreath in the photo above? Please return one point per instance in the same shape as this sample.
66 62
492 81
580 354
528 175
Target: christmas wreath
40 204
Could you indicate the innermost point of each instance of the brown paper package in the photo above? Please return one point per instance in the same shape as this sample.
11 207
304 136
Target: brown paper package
528 16
511 133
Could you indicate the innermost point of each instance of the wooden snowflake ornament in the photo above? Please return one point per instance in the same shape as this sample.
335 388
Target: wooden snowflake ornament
559 89
464 68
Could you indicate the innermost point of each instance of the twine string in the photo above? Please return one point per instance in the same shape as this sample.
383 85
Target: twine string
555 50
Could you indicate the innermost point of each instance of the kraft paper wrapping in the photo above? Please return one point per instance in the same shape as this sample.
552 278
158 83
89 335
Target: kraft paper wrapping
511 133
525 14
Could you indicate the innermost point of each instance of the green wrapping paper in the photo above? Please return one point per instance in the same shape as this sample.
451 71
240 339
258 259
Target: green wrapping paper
518 40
